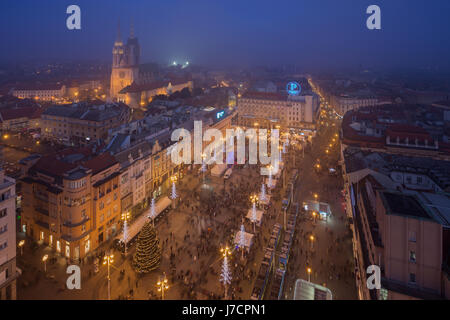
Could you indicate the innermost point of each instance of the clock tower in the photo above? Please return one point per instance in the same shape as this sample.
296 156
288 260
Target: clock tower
125 65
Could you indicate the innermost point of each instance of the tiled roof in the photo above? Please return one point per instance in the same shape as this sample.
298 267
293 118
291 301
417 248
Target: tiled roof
101 162
263 95
24 112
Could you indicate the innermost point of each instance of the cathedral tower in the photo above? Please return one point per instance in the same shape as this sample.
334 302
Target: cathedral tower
125 64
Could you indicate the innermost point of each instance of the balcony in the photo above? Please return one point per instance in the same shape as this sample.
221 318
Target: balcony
42 211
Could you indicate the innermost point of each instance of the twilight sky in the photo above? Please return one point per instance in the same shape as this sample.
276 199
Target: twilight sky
415 33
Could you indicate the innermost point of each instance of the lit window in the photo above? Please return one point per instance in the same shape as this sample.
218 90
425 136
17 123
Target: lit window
412 256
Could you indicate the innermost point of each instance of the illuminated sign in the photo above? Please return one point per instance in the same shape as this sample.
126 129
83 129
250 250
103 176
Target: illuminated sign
293 88
220 114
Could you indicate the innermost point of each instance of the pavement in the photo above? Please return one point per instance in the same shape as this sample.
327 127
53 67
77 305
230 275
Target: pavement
209 211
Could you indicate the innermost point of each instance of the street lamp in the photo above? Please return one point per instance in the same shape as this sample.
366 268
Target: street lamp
162 285
312 241
21 244
44 259
316 196
108 260
314 216
125 218
308 270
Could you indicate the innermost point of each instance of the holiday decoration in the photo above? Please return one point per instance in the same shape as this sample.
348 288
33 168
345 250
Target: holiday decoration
148 251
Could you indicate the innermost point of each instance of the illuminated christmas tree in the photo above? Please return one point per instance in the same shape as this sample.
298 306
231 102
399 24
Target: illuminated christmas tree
148 251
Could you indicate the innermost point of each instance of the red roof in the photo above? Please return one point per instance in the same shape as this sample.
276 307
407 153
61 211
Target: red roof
25 112
263 95
134 87
101 162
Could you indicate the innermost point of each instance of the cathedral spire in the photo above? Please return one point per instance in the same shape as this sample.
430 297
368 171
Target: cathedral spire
118 39
132 29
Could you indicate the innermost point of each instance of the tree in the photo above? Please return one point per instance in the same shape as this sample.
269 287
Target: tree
148 251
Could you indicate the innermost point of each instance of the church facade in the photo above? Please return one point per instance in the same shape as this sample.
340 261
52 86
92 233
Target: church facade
135 84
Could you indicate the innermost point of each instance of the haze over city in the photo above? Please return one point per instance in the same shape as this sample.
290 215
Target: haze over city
227 156
311 34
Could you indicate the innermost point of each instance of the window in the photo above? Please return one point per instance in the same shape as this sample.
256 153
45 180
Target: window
419 180
102 205
3 229
3 245
412 236
102 218
83 228
3 213
412 278
412 256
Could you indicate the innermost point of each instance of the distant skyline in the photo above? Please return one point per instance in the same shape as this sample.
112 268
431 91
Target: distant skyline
307 33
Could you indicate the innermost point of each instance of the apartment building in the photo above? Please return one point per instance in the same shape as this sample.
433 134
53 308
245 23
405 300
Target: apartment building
71 201
343 103
44 92
404 233
82 123
8 272
270 110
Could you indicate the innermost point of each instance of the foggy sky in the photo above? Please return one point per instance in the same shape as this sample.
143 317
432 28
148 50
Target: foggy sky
415 33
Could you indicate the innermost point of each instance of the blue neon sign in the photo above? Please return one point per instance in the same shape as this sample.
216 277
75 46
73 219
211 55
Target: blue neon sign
293 88
220 114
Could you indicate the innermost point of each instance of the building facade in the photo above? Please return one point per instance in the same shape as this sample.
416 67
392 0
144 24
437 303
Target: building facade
44 92
71 201
8 272
80 124
275 110
343 103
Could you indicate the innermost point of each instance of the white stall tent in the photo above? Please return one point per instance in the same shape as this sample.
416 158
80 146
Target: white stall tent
259 215
248 239
136 226
218 170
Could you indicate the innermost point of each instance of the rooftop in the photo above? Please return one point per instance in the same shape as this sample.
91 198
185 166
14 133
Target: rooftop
86 112
404 205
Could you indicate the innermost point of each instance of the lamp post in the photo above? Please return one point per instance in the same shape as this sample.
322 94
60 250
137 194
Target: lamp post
108 260
314 216
44 259
225 276
162 286
311 238
308 270
125 218
21 244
